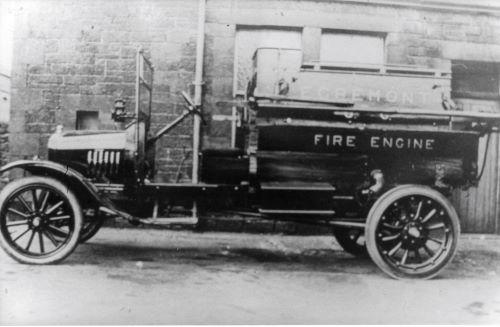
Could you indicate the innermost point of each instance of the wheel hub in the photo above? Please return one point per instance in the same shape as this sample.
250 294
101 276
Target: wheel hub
413 235
413 231
37 221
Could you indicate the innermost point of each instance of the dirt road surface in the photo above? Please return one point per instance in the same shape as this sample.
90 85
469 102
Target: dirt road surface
128 276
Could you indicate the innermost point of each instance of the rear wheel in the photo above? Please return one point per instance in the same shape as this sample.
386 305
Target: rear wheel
412 232
40 220
352 240
93 221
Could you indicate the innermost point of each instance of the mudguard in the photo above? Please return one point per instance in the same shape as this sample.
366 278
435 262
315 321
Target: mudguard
70 177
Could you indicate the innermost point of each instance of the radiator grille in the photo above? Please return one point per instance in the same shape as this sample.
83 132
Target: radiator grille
104 162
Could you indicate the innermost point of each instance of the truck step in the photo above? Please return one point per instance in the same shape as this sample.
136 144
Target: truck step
297 186
188 220
297 212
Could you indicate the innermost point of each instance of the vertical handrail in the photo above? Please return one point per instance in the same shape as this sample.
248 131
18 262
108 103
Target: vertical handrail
198 82
141 81
137 99
497 186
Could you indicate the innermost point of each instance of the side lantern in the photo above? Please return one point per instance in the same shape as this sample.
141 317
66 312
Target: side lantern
119 113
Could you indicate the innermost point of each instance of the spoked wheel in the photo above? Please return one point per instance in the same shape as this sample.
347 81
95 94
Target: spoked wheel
40 220
93 221
412 232
351 240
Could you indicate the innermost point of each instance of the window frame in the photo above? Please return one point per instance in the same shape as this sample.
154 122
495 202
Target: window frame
90 115
475 94
239 27
344 65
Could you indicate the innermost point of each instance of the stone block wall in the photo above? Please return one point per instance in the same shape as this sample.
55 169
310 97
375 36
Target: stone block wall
4 143
72 55
424 35
79 55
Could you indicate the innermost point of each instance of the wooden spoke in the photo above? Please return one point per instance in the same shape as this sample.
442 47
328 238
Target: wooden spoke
391 226
405 256
51 238
390 238
436 226
429 215
40 238
27 248
17 212
54 207
34 203
24 203
429 252
21 235
64 217
17 223
419 209
435 240
57 230
395 249
44 200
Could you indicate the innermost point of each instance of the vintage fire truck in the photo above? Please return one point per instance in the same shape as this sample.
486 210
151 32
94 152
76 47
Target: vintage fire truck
379 177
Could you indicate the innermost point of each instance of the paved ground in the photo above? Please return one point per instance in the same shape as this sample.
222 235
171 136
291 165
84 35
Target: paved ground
154 276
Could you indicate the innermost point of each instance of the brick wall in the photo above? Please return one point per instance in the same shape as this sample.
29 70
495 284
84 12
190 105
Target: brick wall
4 143
72 55
422 36
78 55
4 148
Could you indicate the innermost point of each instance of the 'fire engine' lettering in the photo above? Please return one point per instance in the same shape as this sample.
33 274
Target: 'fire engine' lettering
401 143
350 139
374 142
335 140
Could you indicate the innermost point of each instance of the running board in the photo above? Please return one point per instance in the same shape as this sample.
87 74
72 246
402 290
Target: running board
170 221
297 212
150 221
347 224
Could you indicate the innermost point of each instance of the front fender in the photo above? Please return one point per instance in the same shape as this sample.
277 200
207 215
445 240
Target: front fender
65 174
85 190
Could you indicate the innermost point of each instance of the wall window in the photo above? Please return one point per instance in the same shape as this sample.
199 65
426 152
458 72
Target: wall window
351 48
87 120
474 79
249 39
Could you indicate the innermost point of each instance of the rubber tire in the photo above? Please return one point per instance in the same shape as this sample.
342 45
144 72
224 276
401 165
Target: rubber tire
63 252
344 240
376 213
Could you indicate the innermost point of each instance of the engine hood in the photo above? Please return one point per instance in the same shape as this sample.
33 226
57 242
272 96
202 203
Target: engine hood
83 140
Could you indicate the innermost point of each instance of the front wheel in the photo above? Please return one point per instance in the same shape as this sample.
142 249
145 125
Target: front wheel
412 232
40 220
